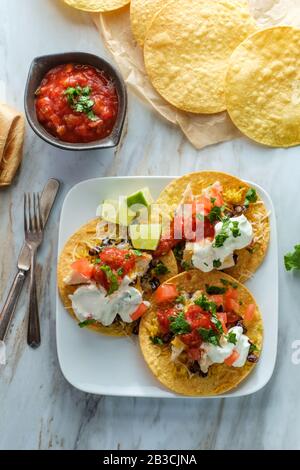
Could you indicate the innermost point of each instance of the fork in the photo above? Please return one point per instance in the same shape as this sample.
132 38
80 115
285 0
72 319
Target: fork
33 226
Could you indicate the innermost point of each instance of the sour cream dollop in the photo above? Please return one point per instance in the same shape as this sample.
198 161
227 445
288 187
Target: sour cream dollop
212 354
92 303
207 255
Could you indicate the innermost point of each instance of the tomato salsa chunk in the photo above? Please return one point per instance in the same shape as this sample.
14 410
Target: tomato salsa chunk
77 103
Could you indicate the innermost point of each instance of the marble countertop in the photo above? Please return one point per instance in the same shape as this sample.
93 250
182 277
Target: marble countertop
39 409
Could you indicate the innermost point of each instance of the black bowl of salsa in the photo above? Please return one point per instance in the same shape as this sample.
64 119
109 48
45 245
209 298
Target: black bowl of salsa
76 101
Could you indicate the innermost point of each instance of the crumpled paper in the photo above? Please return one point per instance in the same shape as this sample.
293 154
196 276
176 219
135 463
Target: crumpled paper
2 353
201 130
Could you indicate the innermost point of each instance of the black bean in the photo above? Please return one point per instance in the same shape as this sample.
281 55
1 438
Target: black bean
95 251
220 309
194 368
167 338
154 283
252 358
240 323
136 327
235 258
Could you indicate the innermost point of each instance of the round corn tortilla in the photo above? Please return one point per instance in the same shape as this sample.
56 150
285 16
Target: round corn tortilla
78 247
142 13
263 87
97 5
234 191
187 50
174 375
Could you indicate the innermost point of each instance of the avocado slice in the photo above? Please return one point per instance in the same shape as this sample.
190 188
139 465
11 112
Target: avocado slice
140 198
145 236
116 213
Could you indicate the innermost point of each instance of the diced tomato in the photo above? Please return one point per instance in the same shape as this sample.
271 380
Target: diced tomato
197 318
249 315
166 293
84 267
217 299
194 354
232 305
116 259
231 359
100 277
163 317
232 318
223 319
192 339
232 294
216 193
139 312
231 297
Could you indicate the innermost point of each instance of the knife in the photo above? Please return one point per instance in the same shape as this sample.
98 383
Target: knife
47 200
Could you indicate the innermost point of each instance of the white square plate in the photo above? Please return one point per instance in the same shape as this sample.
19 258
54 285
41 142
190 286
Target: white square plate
113 366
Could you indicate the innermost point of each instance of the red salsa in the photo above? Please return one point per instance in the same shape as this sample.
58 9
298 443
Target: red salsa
77 103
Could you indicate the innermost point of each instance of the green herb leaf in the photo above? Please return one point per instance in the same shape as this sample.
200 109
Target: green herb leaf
156 340
186 265
80 101
86 323
215 290
232 337
112 279
209 336
180 299
215 214
137 253
200 217
253 348
223 235
235 229
205 304
251 197
210 307
120 272
179 325
292 260
217 263
161 269
178 252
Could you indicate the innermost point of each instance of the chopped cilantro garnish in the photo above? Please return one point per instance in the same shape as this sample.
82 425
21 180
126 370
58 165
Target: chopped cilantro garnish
205 304
215 290
112 279
200 217
137 253
209 336
235 229
226 283
292 260
223 235
80 101
253 348
186 265
217 263
212 200
251 196
120 272
180 299
179 325
128 256
156 340
215 214
210 307
86 323
178 252
232 337
161 269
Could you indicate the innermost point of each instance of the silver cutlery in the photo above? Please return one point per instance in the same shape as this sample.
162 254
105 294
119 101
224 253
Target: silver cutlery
47 200
33 228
